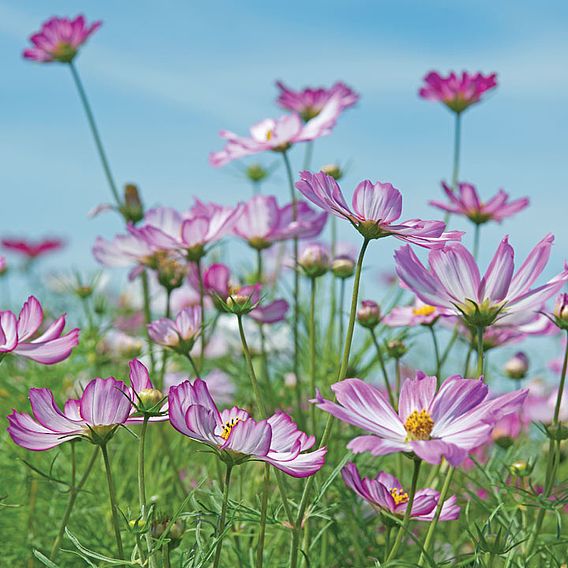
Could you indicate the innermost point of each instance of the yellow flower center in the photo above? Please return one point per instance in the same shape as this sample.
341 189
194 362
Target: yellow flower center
227 427
424 311
269 135
399 495
419 425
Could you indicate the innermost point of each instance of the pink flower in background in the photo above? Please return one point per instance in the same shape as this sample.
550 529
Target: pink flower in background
508 428
18 335
447 423
60 39
386 492
103 406
310 102
234 434
376 208
277 135
453 282
417 314
468 204
263 222
179 334
32 249
3 265
220 385
457 93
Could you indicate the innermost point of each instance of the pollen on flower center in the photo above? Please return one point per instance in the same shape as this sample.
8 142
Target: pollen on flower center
227 427
269 134
399 495
419 425
424 310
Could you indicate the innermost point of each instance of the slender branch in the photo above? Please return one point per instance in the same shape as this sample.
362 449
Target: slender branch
113 501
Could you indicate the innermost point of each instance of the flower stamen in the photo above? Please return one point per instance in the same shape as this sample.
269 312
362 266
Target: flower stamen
419 425
424 310
227 427
399 495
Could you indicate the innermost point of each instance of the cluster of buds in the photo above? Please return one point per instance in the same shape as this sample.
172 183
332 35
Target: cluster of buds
369 314
314 261
517 366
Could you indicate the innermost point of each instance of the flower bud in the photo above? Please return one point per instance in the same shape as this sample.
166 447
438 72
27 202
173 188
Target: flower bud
149 398
521 468
561 311
314 260
132 208
343 266
396 348
369 314
333 170
256 173
242 300
171 273
517 366
177 528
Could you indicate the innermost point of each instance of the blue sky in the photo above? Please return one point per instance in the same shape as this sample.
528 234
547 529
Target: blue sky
164 77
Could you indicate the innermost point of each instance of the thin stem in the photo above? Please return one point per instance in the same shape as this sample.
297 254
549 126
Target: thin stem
476 234
436 352
312 341
95 132
398 377
193 365
457 151
383 367
202 307
74 491
406 519
434 522
165 352
308 154
148 318
263 514
142 481
221 526
449 346
341 310
480 331
113 501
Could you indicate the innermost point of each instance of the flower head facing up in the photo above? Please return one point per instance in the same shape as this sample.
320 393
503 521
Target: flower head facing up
32 249
375 211
502 297
236 437
310 102
60 39
457 92
103 406
18 335
277 135
180 334
385 492
448 423
468 204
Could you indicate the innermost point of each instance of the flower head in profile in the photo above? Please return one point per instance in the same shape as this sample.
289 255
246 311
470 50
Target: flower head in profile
455 91
19 335
310 102
277 135
237 438
103 407
385 492
179 334
418 313
31 250
501 297
375 211
60 39
467 203
430 423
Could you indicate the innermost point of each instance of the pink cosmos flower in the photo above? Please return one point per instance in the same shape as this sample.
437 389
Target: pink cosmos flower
234 435
263 222
179 334
277 135
32 249
453 282
17 335
386 493
221 386
310 102
60 39
376 208
3 265
410 316
448 423
457 93
103 406
468 203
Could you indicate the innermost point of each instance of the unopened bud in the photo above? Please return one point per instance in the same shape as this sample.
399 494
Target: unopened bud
132 207
314 260
517 366
256 172
333 170
561 311
149 398
521 468
171 273
369 314
343 266
396 348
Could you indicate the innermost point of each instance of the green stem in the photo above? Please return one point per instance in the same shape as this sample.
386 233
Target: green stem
398 378
165 352
113 501
142 484
193 365
434 522
457 151
202 307
312 341
480 355
406 519
436 352
95 132
341 310
221 526
448 348
263 514
74 491
383 368
148 318
476 234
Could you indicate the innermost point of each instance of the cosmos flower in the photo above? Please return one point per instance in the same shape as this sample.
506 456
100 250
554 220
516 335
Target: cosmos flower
453 282
263 222
60 39
17 335
237 437
103 406
410 316
385 492
32 249
277 135
220 384
468 204
376 208
432 425
457 93
310 102
179 334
